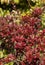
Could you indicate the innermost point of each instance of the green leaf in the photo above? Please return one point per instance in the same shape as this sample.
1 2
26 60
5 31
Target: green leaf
16 1
1 54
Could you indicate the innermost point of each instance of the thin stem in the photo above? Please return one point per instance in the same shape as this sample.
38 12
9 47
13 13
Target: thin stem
29 3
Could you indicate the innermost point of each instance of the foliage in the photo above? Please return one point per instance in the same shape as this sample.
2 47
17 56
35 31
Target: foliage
22 32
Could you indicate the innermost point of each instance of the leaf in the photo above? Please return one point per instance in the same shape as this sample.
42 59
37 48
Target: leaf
1 54
16 1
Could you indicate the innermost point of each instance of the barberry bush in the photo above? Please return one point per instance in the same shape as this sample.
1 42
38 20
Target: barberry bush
22 38
23 43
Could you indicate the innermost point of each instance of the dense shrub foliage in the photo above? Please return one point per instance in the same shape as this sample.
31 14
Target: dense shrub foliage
24 43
